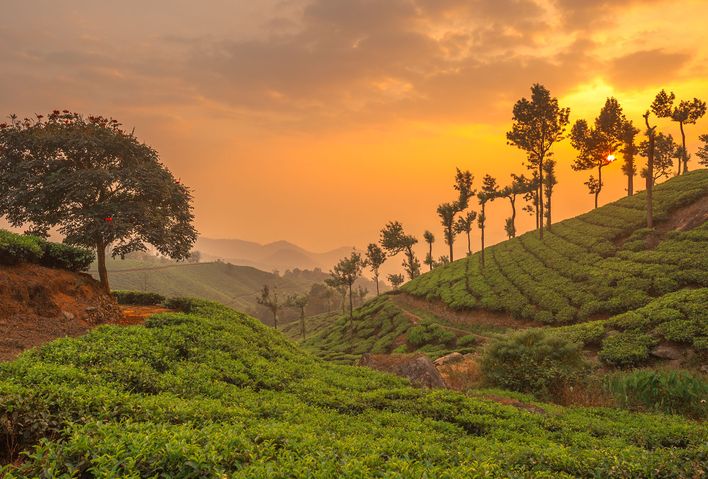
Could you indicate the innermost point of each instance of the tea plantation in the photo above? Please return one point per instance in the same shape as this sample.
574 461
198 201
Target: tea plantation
598 264
214 393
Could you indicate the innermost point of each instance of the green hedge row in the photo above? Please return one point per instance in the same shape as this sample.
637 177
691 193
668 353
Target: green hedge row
139 298
16 249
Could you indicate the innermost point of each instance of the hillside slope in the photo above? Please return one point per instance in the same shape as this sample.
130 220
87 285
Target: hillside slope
214 393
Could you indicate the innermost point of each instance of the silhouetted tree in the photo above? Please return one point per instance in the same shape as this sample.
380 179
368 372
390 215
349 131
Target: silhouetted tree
629 150
396 280
341 288
394 240
488 193
361 293
299 302
702 152
375 258
537 125
549 182
269 299
194 256
346 272
464 224
651 135
597 144
447 211
430 239
96 183
519 185
665 150
685 113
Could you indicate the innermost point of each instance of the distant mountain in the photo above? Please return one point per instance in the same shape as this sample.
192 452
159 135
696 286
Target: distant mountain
279 255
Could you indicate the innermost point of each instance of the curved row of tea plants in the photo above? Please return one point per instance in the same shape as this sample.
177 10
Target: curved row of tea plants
214 393
600 263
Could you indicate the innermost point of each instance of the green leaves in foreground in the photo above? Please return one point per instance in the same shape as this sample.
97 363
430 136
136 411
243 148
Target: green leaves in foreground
214 393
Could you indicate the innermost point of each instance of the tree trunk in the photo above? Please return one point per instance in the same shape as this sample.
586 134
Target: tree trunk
351 305
102 271
482 235
469 244
430 255
275 319
684 153
599 184
540 197
452 238
512 199
548 213
302 322
630 181
650 173
376 278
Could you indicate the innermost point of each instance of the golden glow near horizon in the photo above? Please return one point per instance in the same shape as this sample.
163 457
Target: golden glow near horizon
317 121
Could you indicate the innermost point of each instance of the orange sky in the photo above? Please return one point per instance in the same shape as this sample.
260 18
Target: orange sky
317 121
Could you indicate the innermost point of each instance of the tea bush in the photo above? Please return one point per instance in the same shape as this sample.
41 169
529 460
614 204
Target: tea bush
214 393
16 249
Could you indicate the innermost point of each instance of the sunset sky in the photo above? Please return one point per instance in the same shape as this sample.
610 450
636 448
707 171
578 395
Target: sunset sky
316 121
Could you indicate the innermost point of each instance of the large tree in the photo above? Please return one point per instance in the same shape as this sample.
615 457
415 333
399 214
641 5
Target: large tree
429 239
597 144
375 258
549 182
489 192
96 183
685 113
665 150
299 302
346 272
464 224
394 240
269 299
538 124
629 150
702 152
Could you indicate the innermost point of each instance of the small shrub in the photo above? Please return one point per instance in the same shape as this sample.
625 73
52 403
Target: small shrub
672 392
15 249
629 348
533 361
679 330
467 341
72 258
429 334
139 298
184 305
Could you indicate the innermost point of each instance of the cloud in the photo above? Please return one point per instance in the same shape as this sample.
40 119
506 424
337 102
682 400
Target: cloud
646 68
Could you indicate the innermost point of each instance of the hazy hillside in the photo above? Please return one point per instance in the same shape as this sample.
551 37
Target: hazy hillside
217 394
630 290
280 255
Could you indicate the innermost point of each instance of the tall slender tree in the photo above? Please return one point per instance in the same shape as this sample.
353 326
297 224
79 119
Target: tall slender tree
269 299
665 150
489 191
394 240
651 135
685 113
702 152
550 181
430 239
519 185
629 150
596 145
346 272
538 124
375 258
447 212
464 224
299 302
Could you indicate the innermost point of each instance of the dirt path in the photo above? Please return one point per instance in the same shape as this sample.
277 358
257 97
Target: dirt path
415 319
137 314
438 309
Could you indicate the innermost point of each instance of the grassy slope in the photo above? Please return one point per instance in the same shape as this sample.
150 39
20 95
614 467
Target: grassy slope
578 273
217 394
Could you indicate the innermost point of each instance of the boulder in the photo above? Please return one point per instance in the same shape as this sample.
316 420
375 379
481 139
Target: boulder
418 368
667 351
449 359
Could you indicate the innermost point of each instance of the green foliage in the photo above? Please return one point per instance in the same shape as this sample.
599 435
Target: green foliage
15 249
429 334
671 392
532 361
629 348
140 298
467 341
216 394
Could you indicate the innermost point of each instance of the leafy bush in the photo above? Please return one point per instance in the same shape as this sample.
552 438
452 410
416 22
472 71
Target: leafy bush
180 304
466 341
629 348
672 392
140 298
428 333
533 361
62 256
679 330
15 249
